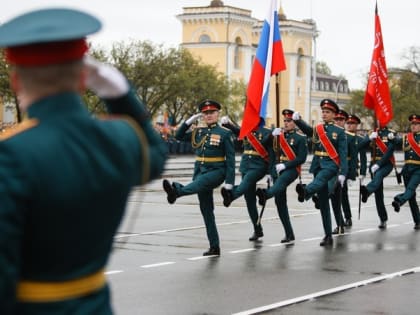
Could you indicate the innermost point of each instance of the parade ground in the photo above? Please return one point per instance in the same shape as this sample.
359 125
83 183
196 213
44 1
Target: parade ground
157 265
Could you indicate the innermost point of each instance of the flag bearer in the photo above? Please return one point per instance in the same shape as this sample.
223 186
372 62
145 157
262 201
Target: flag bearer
256 156
291 150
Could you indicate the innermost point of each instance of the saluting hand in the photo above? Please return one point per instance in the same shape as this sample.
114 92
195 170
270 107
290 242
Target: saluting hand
105 80
193 118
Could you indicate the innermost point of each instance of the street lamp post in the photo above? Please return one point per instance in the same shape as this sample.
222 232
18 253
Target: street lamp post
336 89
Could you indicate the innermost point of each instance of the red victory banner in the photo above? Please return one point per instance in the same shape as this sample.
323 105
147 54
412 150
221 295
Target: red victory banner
377 96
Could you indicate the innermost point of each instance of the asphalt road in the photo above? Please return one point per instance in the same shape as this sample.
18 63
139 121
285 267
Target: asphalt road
157 265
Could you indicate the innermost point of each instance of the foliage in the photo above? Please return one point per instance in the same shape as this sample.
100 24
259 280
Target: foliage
322 67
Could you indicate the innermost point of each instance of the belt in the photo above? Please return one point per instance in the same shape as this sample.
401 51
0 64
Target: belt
377 158
283 158
251 152
321 153
416 162
40 291
209 159
348 158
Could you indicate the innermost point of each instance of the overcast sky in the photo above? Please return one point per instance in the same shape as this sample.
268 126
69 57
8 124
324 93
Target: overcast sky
346 27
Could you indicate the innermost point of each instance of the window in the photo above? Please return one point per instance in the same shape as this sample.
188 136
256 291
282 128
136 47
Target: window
299 65
237 60
204 38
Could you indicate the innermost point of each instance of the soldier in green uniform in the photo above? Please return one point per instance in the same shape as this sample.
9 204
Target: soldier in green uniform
253 167
411 170
291 151
65 175
329 160
357 163
382 163
214 163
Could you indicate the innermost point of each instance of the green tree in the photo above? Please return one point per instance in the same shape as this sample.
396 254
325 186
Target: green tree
322 67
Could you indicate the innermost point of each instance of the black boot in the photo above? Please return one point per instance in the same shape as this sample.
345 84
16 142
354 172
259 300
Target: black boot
382 225
212 251
262 196
396 205
300 189
348 222
227 196
338 230
364 192
170 191
315 199
256 236
288 239
326 241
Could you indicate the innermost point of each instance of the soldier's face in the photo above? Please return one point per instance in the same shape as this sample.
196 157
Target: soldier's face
415 127
327 115
351 126
339 121
211 116
289 124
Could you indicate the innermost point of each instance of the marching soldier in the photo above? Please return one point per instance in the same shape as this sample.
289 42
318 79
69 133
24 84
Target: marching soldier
382 163
253 167
214 163
291 150
62 171
411 170
329 161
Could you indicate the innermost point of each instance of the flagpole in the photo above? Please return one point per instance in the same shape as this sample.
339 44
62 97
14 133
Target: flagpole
278 81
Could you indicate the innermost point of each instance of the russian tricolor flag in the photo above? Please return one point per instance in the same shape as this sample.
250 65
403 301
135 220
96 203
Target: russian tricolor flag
268 61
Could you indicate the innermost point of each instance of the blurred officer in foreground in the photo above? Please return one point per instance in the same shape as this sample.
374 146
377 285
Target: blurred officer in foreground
254 164
290 150
329 161
382 163
214 163
411 170
65 176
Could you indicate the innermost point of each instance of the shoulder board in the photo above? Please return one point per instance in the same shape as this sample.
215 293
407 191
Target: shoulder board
24 125
350 133
392 130
227 129
339 127
300 133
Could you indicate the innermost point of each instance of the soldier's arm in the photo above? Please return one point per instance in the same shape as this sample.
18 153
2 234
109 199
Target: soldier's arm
182 134
342 152
11 222
129 104
363 161
230 158
304 127
235 129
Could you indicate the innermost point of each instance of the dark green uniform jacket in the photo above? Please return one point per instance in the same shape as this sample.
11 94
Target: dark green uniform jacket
211 142
321 158
65 177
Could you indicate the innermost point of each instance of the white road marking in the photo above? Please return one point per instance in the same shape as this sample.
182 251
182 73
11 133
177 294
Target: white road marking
112 272
318 294
201 257
242 250
158 264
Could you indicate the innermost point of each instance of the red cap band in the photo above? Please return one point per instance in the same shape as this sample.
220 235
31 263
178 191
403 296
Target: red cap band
47 53
209 107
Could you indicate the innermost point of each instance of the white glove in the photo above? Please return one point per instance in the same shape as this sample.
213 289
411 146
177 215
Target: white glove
391 136
341 179
228 186
374 168
280 167
193 118
105 80
362 179
296 116
276 132
269 179
373 135
224 120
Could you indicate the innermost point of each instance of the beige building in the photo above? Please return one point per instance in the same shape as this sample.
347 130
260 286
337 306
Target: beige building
227 37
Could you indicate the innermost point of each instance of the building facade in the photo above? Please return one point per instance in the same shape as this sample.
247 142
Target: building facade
227 38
